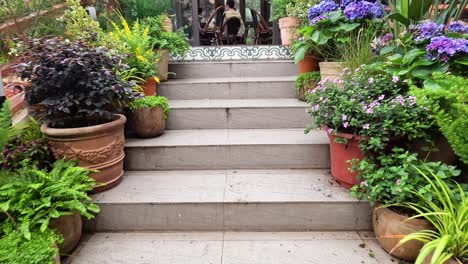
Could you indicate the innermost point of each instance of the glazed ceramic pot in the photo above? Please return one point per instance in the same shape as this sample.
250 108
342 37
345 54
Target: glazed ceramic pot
340 154
310 63
70 226
99 147
147 122
390 227
288 26
330 70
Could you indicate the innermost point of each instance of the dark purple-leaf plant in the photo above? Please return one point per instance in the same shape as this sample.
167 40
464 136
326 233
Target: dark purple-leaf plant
75 83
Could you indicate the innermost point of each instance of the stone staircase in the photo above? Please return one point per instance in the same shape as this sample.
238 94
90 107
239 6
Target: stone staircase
233 167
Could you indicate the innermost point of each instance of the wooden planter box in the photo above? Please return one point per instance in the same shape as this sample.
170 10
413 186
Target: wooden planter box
25 22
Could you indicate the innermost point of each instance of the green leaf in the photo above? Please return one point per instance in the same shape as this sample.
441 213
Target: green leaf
387 50
348 26
400 18
321 37
418 9
335 16
411 55
462 61
395 58
300 53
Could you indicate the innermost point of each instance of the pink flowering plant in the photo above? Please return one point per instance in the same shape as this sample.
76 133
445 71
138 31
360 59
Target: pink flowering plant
393 177
370 104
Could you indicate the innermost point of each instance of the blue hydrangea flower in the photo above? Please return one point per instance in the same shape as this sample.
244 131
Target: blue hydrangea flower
318 19
323 7
363 10
458 27
426 31
444 48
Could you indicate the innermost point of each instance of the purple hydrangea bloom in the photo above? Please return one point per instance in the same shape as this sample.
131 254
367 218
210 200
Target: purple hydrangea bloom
445 48
323 7
363 10
458 27
426 31
318 19
387 37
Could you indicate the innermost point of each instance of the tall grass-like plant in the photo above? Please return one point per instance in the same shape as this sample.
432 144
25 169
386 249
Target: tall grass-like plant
359 51
449 239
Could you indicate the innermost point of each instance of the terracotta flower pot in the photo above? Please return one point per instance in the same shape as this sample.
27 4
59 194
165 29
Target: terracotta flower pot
390 227
303 91
330 70
99 147
167 26
7 69
340 154
163 65
445 152
70 226
147 122
288 26
310 63
149 86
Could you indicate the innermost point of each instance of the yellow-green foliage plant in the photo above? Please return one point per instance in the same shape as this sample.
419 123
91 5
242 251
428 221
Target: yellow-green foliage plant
449 239
136 42
79 25
446 97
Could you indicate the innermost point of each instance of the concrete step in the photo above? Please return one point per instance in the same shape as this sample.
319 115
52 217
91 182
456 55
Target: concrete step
238 113
231 248
239 69
229 88
230 200
229 148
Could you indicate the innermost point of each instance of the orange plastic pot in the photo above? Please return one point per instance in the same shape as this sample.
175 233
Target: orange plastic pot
340 154
310 63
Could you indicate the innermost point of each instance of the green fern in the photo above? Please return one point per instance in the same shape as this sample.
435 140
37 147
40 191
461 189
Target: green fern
40 249
446 96
33 197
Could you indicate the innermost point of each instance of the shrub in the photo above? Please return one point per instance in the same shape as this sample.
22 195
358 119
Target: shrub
136 42
446 97
392 178
303 80
176 42
151 102
370 104
75 83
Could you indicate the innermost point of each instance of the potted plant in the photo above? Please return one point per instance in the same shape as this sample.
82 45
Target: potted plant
305 82
338 28
447 242
421 50
26 193
142 59
365 112
388 182
148 116
80 93
166 43
444 95
287 24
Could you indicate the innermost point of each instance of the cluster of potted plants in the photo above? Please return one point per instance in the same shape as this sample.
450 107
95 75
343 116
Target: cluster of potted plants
396 116
79 88
41 200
